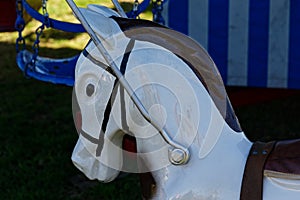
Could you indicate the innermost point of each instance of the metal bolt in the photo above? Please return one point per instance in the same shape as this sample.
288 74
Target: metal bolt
177 157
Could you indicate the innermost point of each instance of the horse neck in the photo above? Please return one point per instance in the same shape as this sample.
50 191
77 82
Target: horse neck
218 157
185 108
217 174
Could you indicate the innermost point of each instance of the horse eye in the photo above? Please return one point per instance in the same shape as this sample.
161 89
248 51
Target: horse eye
90 89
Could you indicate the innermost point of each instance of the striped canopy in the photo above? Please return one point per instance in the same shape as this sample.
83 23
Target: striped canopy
253 42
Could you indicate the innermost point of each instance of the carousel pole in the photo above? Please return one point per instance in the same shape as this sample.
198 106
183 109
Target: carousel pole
179 154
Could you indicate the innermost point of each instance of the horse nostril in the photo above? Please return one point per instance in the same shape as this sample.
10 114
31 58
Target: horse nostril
90 89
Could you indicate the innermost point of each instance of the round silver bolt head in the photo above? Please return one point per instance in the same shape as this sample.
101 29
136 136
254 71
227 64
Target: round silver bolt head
178 156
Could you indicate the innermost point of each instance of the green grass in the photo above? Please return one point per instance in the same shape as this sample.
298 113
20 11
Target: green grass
37 134
37 137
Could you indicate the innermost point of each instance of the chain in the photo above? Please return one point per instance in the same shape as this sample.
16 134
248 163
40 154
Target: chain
135 9
19 26
45 13
157 10
35 49
38 33
44 7
36 45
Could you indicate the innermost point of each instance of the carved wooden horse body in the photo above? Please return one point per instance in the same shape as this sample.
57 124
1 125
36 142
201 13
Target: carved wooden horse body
180 86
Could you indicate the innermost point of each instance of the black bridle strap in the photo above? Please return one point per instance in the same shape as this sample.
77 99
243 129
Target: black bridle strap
97 62
122 90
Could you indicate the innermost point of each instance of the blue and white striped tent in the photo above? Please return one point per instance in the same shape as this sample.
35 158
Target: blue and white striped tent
253 42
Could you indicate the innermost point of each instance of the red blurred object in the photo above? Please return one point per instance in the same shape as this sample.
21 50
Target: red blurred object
78 121
7 15
129 143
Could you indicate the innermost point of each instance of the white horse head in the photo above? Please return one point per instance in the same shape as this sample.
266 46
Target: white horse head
181 88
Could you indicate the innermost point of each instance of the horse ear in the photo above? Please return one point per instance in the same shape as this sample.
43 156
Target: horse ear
103 26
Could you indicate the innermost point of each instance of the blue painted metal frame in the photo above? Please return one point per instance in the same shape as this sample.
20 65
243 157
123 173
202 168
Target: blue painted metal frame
53 23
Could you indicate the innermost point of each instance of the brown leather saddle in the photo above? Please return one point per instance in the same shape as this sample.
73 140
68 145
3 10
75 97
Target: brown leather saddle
281 159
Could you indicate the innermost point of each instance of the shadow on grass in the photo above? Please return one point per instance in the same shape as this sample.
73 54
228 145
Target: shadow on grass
51 33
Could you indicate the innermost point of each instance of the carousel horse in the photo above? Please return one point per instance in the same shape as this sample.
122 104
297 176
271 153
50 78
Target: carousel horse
180 86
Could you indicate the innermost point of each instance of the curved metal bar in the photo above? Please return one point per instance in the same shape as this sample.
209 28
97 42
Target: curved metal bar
185 152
